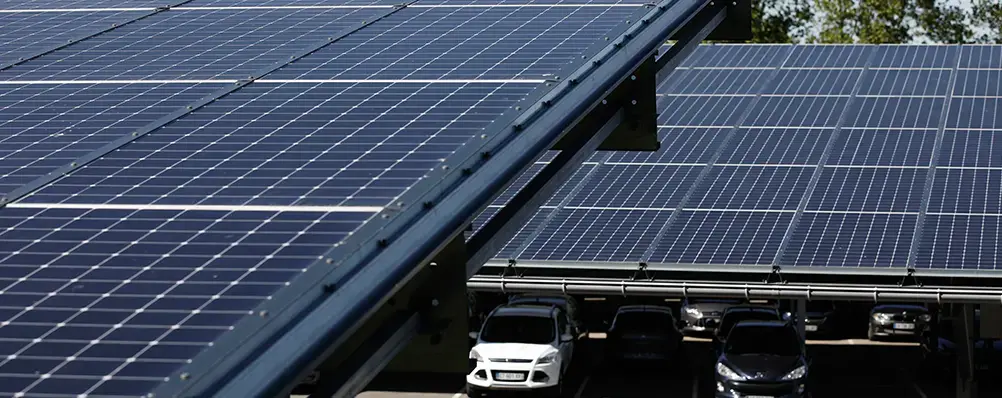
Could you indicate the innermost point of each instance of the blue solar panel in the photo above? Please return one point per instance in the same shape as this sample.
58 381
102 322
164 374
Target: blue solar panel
25 34
49 125
596 235
715 237
883 148
971 148
640 186
776 146
752 188
851 240
293 144
869 189
193 44
78 4
497 43
845 134
967 191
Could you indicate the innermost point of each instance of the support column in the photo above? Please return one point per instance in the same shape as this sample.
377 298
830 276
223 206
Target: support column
963 330
801 308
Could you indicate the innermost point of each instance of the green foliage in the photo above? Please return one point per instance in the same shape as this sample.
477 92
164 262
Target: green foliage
987 14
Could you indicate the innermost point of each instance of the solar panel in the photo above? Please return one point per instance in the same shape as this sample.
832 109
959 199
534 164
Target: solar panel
850 156
71 5
23 33
122 271
49 125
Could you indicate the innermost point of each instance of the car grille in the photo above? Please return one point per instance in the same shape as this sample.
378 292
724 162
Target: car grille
764 388
713 314
510 360
904 317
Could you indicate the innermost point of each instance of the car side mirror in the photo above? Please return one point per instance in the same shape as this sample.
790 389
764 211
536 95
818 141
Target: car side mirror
474 335
566 337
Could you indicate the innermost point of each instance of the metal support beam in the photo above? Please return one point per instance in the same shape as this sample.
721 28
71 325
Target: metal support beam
801 308
871 293
963 330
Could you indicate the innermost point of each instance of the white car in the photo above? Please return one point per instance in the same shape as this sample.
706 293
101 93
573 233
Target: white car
521 348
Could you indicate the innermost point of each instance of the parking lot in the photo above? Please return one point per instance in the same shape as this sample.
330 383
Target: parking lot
840 368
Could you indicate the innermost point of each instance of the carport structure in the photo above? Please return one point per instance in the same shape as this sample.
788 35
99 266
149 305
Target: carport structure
826 172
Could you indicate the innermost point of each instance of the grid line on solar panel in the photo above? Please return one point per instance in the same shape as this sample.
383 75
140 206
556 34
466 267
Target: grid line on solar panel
191 45
24 35
496 43
53 125
931 173
77 4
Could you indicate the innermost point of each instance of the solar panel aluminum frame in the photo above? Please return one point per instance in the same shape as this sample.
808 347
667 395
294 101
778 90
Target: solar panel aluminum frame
69 42
268 354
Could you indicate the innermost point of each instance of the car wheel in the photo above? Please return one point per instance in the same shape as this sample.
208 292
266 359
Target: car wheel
870 335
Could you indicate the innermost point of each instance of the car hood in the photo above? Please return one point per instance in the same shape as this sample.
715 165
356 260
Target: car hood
899 308
513 350
766 367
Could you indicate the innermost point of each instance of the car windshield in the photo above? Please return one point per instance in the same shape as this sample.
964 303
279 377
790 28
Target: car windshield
518 329
732 318
640 322
763 340
717 301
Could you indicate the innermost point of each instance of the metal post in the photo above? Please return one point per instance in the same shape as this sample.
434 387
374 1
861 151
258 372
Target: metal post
801 318
963 328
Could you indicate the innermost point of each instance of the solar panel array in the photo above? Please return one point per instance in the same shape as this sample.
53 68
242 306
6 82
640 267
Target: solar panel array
119 273
849 156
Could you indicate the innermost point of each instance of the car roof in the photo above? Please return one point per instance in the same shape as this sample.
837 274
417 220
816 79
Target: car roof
525 310
760 323
751 308
644 308
541 297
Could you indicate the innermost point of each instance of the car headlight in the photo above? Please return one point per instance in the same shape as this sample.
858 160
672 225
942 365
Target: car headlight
475 355
797 373
727 373
548 358
925 317
694 312
882 317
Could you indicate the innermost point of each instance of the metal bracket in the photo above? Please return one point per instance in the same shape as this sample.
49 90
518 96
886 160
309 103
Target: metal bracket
636 95
510 270
776 271
910 279
642 268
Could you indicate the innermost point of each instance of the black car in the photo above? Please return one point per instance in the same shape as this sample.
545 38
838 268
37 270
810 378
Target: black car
739 313
820 319
762 358
889 320
643 332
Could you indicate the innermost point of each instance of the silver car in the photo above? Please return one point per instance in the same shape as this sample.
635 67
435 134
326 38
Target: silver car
702 315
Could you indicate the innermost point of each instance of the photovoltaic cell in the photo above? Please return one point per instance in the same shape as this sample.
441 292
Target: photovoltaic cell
77 4
639 186
813 82
975 113
905 82
851 240
293 144
714 237
971 148
678 145
883 147
715 81
752 188
966 191
909 112
463 43
905 56
978 83
829 56
596 235
510 250
49 125
286 3
796 111
701 111
112 301
24 34
192 45
869 189
775 146
960 242
981 57
738 56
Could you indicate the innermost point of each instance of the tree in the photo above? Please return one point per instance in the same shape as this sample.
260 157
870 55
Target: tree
864 21
780 21
987 15
942 23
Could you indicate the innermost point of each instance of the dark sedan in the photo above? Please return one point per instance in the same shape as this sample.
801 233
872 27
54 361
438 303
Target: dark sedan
889 320
762 359
820 320
643 332
702 315
740 313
